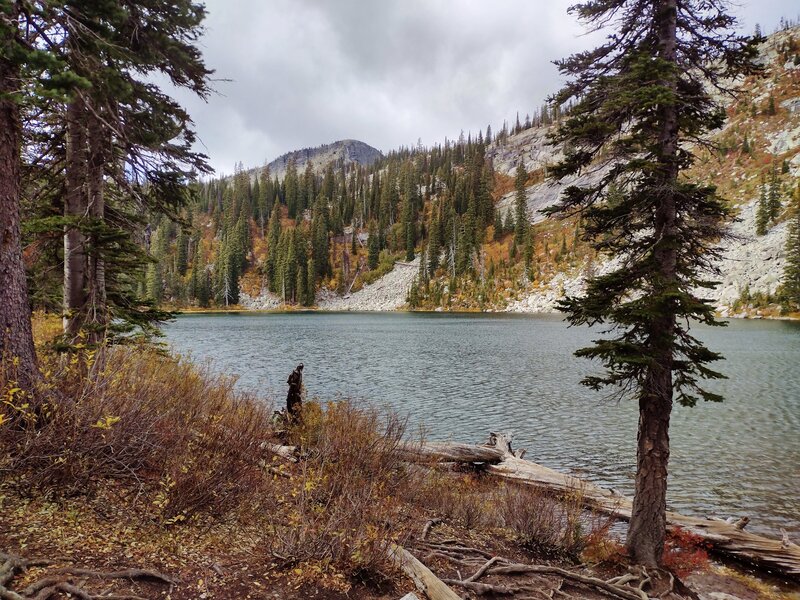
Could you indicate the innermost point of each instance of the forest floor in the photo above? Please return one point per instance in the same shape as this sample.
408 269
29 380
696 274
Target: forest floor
110 529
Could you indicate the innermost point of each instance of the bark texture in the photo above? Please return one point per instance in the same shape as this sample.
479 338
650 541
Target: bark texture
76 210
16 339
647 529
96 317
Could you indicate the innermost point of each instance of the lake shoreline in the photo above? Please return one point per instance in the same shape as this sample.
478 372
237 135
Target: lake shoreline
312 310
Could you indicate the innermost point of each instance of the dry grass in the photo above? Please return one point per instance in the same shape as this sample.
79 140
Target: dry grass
131 414
342 504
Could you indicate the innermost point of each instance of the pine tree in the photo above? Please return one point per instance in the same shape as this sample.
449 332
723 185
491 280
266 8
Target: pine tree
509 224
498 226
292 186
643 95
24 69
774 204
117 51
434 246
373 246
746 149
762 211
790 283
520 206
311 288
273 238
181 252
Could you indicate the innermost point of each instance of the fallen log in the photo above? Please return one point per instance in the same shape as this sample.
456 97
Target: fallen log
453 452
426 582
289 453
726 539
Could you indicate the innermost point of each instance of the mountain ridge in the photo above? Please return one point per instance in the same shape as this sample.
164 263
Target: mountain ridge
339 152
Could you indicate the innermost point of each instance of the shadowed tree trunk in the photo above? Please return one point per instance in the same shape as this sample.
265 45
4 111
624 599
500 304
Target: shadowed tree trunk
647 530
75 209
96 310
17 351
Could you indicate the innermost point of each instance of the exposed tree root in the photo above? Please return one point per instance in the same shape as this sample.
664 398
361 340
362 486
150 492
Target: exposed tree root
427 529
483 588
66 580
482 570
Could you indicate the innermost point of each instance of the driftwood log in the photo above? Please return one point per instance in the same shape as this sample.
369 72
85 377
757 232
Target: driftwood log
426 582
726 539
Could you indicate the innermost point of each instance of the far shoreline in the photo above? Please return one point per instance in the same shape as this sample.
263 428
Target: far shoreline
314 310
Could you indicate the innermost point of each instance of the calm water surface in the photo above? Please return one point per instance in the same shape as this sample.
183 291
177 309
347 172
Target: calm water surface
462 376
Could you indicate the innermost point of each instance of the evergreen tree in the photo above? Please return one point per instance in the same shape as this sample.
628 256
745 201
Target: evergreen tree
292 187
434 246
181 252
509 224
762 211
520 206
774 204
643 95
498 226
373 246
27 72
790 284
273 237
423 269
310 297
204 291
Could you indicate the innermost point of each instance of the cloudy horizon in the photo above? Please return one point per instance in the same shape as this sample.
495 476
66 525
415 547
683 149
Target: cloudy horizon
302 73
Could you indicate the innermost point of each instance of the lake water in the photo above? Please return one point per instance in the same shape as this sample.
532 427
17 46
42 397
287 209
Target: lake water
462 376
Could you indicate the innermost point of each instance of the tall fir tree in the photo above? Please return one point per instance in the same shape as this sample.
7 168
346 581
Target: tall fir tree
762 210
520 206
373 246
790 283
640 98
34 75
774 204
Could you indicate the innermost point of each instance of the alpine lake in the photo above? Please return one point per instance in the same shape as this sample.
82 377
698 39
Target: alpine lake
460 376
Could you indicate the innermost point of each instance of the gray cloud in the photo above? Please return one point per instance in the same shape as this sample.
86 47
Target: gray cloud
307 72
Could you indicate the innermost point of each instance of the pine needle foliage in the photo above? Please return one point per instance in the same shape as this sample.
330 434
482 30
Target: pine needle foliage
642 101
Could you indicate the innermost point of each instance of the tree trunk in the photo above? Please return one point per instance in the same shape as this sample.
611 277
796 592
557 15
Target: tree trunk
647 529
76 209
96 308
17 353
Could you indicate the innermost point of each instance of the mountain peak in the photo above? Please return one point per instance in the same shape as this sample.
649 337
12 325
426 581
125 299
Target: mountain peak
340 152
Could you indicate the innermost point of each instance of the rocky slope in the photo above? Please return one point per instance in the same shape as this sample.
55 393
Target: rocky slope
750 263
387 293
341 152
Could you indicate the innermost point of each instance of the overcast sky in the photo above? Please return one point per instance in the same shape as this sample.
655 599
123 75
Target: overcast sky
387 72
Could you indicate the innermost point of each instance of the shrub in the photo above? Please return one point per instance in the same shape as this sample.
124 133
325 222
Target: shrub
685 552
134 415
343 506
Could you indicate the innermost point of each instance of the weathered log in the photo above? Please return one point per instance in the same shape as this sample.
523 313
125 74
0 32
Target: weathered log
727 539
426 582
453 452
286 452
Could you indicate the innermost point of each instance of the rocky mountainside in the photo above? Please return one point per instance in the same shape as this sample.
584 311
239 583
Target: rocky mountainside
342 152
759 148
